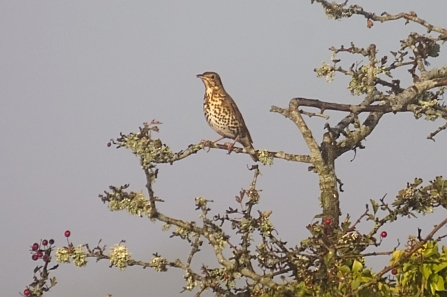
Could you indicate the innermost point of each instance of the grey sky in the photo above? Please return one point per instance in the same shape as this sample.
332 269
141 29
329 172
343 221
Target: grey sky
73 74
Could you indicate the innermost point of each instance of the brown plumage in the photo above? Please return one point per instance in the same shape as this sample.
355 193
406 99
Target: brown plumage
222 114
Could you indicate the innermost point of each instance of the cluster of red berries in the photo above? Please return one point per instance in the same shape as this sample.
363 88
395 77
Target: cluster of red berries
42 251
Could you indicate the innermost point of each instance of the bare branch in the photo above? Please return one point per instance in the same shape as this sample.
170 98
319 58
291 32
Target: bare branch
338 11
433 134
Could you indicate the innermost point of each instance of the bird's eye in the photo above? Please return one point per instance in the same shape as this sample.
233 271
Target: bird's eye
212 76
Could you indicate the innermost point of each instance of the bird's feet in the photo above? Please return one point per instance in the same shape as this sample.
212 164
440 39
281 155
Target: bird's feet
206 144
230 146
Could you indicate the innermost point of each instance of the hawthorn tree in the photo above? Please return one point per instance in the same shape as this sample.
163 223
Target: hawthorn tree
331 261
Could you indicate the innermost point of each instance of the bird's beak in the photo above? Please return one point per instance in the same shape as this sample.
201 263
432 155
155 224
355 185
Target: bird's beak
200 76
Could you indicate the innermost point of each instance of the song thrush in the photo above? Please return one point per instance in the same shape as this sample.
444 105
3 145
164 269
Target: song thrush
222 114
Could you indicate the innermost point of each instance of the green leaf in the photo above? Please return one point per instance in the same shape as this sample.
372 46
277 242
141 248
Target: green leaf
426 271
397 254
367 273
437 283
357 266
344 269
355 283
432 288
328 258
53 281
430 250
438 267
365 279
375 205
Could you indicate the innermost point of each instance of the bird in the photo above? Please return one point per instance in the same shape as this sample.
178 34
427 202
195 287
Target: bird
223 115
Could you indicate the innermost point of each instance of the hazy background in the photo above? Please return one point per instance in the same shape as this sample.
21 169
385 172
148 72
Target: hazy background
73 74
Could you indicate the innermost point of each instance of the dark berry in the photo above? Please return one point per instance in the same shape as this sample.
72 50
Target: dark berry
26 292
35 246
35 257
394 271
51 241
46 258
327 221
67 233
44 242
109 144
39 254
383 234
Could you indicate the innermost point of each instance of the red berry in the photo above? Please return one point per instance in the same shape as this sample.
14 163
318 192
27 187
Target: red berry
51 241
46 258
327 221
44 242
39 254
35 257
67 233
109 144
394 271
383 234
26 292
35 246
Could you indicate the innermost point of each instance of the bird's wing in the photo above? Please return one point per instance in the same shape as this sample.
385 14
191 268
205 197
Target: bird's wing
233 107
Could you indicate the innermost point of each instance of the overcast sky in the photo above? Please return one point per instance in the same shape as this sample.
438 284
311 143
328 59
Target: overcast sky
74 74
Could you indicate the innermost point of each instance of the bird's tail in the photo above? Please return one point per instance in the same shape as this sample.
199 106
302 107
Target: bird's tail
251 150
253 155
